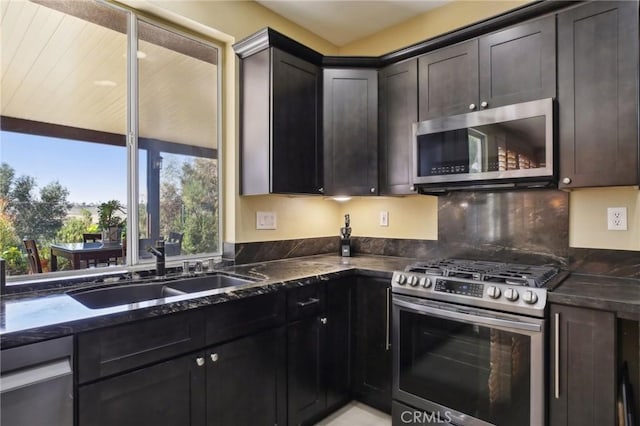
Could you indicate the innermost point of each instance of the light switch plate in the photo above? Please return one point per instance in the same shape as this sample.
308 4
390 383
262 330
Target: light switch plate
617 218
384 218
266 220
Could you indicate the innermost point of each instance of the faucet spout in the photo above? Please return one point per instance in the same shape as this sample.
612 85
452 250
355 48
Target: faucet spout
158 252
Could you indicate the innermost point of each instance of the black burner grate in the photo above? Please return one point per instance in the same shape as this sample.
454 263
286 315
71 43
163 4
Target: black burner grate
498 272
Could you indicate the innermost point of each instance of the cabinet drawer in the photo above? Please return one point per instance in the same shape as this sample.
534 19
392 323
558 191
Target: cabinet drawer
233 319
307 301
109 351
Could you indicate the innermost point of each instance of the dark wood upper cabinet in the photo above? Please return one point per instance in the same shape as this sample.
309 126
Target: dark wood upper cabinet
597 93
281 143
448 80
350 116
510 66
583 352
518 64
398 110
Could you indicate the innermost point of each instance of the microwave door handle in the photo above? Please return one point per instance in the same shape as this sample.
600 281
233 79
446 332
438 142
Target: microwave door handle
468 318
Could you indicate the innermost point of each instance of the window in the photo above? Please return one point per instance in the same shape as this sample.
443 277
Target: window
71 95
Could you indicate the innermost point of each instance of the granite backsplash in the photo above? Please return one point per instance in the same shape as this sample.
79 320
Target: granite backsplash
523 226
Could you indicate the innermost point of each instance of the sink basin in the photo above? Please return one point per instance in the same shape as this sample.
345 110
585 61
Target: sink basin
207 282
124 294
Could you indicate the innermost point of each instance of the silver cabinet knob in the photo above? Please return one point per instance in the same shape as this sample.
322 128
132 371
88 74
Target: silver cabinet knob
321 190
412 188
323 321
472 107
214 357
200 361
372 190
566 181
484 104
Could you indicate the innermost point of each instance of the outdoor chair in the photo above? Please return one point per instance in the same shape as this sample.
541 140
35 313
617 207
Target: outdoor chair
35 266
91 238
96 238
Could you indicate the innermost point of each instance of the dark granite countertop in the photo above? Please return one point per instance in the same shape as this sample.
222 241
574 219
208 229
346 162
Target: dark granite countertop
37 316
620 295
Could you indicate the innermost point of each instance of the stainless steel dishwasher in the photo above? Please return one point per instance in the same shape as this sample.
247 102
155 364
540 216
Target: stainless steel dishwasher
36 384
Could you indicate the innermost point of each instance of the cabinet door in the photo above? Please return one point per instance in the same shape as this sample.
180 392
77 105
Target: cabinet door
350 118
171 393
296 161
398 100
372 370
280 140
306 381
246 381
448 80
583 353
340 296
597 94
518 64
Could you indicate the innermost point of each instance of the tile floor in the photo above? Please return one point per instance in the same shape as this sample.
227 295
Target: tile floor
356 414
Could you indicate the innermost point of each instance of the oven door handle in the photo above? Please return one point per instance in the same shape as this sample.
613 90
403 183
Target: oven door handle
467 317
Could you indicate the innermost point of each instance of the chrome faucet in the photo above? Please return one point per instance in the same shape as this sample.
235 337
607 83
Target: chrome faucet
158 252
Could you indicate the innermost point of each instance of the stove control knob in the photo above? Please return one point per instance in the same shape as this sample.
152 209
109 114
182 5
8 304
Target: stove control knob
413 281
511 294
530 297
494 292
425 282
401 279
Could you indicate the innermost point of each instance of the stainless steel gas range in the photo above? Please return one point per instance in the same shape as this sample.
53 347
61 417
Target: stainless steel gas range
469 343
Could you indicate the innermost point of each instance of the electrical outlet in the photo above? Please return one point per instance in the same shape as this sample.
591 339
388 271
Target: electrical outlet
617 218
266 220
384 218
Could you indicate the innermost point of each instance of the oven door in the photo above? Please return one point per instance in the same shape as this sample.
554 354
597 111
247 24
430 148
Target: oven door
467 366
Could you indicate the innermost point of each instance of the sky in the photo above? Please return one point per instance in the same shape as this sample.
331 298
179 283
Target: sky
92 172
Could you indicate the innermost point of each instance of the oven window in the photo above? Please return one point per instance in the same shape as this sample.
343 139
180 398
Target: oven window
479 371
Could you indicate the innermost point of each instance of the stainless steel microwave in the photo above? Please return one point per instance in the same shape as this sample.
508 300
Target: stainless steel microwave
509 146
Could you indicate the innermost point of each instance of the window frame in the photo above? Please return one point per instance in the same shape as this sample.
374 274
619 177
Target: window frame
133 262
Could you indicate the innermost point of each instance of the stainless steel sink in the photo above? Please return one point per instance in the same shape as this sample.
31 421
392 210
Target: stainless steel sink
124 294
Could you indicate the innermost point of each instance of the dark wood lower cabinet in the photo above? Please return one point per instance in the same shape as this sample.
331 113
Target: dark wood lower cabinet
340 297
583 356
237 383
246 381
307 396
319 355
170 393
372 362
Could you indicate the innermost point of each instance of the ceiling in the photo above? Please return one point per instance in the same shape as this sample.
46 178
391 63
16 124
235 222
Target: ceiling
59 69
344 21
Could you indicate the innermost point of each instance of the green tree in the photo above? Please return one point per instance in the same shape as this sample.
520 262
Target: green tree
74 227
171 199
33 216
200 198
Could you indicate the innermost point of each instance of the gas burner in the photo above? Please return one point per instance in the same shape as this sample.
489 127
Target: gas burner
494 272
501 286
